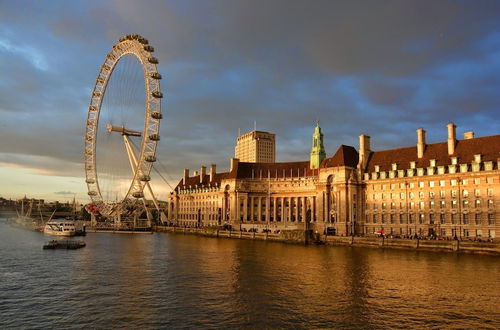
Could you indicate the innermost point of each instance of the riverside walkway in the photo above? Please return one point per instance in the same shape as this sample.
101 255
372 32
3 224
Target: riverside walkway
303 237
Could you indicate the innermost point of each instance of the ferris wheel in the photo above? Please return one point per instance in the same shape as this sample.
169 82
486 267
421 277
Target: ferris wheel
122 128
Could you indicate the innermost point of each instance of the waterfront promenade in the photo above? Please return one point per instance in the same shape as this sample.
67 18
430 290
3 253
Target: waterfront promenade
301 237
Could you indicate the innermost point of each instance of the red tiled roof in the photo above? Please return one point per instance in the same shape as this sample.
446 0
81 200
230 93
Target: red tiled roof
488 147
195 180
273 170
256 170
345 156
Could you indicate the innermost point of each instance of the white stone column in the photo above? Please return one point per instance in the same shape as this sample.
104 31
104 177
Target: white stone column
313 208
259 209
289 210
237 208
275 208
226 203
252 208
268 208
285 210
304 208
245 209
297 202
282 201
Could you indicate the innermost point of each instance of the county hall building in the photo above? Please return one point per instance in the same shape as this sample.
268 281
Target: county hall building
447 189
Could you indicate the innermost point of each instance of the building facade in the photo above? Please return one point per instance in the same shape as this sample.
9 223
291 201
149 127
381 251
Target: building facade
448 189
256 147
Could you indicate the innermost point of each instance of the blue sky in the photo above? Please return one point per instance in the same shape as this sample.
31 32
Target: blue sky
383 68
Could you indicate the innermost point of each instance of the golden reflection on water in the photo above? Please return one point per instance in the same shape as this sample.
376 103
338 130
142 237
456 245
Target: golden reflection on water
174 280
346 286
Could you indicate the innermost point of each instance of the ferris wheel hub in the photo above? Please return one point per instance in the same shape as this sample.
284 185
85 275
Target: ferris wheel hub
122 130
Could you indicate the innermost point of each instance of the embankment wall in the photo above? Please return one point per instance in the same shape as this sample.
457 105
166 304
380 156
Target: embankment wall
307 237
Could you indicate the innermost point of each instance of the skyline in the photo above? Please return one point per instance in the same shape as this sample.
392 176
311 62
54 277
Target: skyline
354 66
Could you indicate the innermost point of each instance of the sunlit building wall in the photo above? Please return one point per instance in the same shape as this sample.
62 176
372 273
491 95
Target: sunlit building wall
256 147
448 189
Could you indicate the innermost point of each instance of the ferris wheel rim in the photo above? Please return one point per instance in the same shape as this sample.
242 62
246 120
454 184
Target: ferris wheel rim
139 47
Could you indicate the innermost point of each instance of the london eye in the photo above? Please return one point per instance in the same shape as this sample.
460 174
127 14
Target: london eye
123 130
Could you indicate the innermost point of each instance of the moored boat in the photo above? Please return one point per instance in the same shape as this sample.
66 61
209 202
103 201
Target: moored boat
60 228
68 245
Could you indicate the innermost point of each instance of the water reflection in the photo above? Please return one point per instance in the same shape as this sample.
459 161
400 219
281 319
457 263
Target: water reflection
165 280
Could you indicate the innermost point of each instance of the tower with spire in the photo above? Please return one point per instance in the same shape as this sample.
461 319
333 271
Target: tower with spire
318 149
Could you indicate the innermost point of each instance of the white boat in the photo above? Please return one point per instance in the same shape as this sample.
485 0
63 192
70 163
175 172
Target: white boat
60 228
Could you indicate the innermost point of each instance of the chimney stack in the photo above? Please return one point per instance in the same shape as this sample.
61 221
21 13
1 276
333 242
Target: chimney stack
203 171
212 172
452 138
234 164
468 135
420 142
186 176
364 150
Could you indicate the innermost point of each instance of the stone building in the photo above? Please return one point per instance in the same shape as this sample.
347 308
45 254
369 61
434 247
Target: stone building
443 189
256 147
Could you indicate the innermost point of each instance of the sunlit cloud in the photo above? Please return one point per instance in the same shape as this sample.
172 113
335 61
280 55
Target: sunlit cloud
34 56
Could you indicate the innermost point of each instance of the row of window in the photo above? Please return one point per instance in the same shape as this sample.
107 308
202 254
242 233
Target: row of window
431 204
431 184
432 219
200 217
192 197
442 232
421 194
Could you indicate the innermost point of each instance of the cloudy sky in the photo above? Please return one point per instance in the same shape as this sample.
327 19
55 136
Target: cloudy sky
384 68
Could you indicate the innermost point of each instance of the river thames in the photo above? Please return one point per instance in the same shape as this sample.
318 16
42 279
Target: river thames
183 281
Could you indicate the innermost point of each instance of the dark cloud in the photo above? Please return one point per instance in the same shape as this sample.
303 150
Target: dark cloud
386 92
383 69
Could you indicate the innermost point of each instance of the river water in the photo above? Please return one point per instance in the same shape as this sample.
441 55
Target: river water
183 281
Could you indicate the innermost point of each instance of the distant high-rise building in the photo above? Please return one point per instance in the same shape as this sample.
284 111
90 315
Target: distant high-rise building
256 147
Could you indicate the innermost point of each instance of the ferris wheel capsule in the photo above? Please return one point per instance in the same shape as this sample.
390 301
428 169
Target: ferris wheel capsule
156 115
152 60
150 158
155 75
154 137
138 194
157 94
145 178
